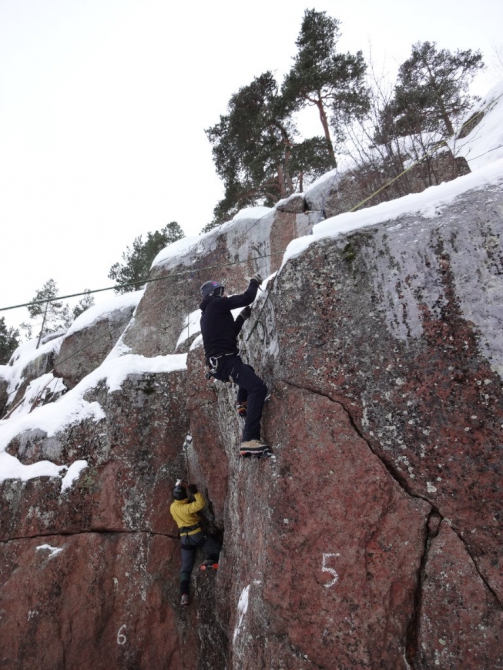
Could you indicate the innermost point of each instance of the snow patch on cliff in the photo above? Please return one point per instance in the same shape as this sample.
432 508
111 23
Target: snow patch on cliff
178 249
72 474
191 326
484 144
242 609
104 309
22 357
72 408
427 204
37 391
252 213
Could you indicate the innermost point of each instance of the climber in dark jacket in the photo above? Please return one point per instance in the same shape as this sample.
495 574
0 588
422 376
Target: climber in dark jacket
220 332
185 514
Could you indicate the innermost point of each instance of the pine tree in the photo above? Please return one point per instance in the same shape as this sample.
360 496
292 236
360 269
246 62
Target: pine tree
83 304
255 150
432 90
53 315
9 341
137 260
333 82
252 146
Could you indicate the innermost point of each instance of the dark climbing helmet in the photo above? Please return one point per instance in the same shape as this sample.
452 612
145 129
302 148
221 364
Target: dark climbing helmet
212 288
179 492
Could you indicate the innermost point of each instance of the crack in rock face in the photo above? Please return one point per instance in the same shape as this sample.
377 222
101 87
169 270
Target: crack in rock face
372 539
411 365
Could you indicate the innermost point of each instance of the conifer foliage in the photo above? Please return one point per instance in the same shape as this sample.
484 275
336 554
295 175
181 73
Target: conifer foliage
53 315
256 146
252 147
9 341
320 76
137 260
431 93
261 158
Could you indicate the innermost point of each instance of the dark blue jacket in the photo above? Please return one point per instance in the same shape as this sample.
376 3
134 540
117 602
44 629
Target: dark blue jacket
218 328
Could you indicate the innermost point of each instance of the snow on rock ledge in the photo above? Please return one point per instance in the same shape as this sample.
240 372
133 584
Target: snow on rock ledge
254 241
92 336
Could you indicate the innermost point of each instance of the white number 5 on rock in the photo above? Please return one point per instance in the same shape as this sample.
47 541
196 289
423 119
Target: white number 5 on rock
326 568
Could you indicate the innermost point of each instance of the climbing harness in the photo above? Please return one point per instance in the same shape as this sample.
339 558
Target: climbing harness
212 364
185 530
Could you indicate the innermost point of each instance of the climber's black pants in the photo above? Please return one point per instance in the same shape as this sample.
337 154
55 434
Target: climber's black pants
251 388
189 546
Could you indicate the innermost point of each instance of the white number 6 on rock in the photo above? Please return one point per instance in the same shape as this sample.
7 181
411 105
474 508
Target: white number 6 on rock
121 638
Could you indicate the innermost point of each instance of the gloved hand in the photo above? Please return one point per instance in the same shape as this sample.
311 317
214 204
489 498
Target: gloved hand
256 277
193 488
245 313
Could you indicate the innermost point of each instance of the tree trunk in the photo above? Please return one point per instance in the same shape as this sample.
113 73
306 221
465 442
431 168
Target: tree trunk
443 111
286 171
281 181
43 324
324 123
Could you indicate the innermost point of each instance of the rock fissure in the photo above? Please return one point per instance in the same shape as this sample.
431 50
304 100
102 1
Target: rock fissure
412 637
392 336
475 565
304 657
390 469
93 531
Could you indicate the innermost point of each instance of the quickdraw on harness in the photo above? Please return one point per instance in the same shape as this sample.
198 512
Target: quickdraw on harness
212 364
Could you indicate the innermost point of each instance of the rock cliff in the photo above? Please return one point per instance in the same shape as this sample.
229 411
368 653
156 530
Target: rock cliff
371 540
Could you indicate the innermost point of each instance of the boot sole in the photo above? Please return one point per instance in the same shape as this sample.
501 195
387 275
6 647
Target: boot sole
258 452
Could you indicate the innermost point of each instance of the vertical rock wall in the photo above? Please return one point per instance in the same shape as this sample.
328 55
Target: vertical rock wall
371 540
230 254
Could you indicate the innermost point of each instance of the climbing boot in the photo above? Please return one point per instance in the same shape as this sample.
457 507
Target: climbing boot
241 409
209 564
184 600
253 448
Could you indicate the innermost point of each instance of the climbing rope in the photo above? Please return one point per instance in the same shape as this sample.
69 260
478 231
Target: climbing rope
139 283
214 267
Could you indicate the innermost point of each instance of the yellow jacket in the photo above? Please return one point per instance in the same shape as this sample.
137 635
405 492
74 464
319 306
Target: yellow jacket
185 513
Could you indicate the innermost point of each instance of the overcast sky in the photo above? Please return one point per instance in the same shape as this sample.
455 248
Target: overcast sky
103 106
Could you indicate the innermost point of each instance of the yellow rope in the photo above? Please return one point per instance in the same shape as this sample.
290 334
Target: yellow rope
426 155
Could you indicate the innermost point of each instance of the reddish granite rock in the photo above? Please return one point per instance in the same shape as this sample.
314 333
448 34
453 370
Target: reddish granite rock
326 542
207 457
460 619
92 600
383 350
396 322
134 456
83 350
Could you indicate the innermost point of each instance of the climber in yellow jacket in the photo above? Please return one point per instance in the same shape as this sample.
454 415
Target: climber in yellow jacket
192 537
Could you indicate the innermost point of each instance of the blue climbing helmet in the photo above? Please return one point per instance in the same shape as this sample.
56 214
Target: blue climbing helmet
212 288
